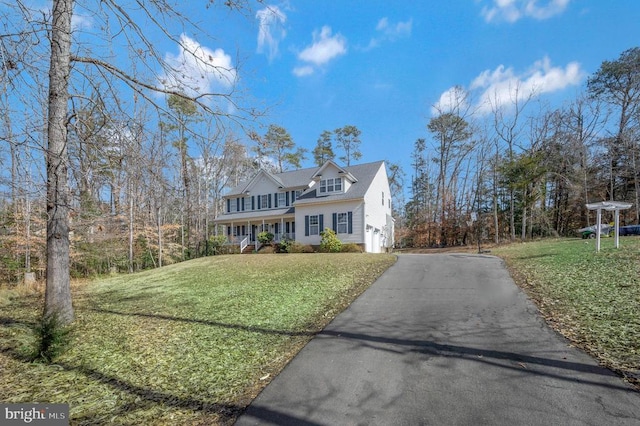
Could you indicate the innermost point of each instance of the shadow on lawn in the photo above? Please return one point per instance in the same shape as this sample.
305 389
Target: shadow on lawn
250 328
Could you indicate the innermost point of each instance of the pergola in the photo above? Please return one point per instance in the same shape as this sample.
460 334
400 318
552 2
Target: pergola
614 206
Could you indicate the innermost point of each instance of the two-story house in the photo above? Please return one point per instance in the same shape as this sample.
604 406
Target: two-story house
354 201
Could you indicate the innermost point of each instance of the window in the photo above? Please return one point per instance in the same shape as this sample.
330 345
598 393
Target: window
282 199
264 201
338 184
247 203
298 193
343 223
233 205
330 185
314 225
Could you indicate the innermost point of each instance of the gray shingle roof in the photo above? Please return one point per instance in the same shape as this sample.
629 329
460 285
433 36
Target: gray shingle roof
292 179
364 173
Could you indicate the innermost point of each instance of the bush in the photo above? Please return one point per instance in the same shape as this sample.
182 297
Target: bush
284 246
216 245
351 248
53 338
329 242
265 237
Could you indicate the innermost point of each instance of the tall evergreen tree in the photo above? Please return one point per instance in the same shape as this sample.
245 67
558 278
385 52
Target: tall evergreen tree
278 145
324 149
348 138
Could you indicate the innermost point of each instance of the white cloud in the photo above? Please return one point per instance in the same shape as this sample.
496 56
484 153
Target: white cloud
81 22
324 48
271 30
387 31
513 10
504 86
197 69
303 70
394 31
452 100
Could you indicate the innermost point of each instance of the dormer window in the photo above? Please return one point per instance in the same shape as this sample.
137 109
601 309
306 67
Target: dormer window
330 185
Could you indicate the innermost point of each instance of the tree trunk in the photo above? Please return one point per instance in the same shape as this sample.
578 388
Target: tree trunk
58 289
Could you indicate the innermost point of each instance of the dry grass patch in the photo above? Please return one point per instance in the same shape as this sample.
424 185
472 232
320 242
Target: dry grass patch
190 343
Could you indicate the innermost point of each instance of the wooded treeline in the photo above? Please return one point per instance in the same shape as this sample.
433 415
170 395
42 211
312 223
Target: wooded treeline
146 172
518 169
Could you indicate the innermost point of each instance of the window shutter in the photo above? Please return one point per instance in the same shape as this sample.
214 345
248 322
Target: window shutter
259 201
275 200
253 202
306 226
228 205
287 198
237 204
293 196
335 222
350 222
321 222
287 228
242 203
269 198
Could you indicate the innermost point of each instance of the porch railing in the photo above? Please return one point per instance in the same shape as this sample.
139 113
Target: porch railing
244 243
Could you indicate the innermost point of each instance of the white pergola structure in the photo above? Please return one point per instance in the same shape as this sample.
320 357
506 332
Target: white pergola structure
614 206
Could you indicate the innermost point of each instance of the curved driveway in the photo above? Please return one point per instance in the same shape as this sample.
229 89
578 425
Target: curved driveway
444 339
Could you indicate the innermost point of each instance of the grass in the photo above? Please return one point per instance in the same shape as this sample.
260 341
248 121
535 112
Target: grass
190 343
591 298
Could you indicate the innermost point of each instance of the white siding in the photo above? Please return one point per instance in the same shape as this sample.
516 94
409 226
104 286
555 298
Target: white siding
377 213
328 209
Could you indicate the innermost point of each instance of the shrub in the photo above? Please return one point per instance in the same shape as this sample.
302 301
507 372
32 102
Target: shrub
284 246
351 248
265 237
329 242
216 245
53 338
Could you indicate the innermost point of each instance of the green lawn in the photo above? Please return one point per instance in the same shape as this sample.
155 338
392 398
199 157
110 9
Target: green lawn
592 298
190 343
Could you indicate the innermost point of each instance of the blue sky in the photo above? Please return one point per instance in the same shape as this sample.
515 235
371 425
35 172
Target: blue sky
383 65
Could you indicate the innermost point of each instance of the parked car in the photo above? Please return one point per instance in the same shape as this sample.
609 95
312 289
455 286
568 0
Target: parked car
630 230
590 231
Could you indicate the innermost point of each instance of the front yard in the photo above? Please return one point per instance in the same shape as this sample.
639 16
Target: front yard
591 298
190 343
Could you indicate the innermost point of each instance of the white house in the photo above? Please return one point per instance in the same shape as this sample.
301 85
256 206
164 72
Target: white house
354 201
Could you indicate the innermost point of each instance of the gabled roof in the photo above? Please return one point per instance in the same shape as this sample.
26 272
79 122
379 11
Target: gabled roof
341 170
262 172
364 175
361 175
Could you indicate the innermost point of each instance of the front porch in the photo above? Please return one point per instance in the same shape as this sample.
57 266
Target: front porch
245 234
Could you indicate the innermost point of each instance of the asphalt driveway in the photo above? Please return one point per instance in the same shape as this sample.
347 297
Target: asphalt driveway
445 339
